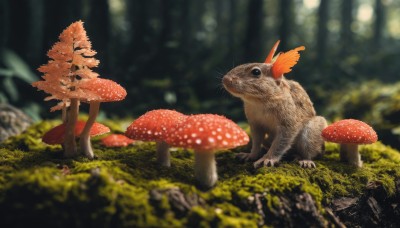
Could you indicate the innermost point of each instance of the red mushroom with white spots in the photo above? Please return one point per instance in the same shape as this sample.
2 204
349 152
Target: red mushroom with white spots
350 133
156 125
207 133
116 140
56 134
98 90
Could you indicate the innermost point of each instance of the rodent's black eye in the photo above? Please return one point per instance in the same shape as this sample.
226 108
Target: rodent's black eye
256 71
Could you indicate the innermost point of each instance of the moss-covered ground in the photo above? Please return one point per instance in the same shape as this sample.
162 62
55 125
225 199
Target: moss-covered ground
39 186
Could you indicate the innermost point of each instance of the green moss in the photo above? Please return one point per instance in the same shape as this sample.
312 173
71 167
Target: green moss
31 138
36 182
220 216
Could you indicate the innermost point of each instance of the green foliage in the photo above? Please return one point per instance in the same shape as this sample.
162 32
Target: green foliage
15 68
113 190
376 103
371 101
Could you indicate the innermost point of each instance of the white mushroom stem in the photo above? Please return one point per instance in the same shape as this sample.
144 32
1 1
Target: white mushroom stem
163 154
84 141
349 153
69 139
205 168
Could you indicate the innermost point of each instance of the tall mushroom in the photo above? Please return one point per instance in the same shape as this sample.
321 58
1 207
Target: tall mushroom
56 135
207 133
102 90
156 125
350 133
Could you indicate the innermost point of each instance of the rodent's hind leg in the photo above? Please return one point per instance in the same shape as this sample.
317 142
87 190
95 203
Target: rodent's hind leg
309 142
257 137
281 143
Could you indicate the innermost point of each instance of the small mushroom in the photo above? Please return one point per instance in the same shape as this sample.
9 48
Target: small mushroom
350 133
56 135
101 90
116 140
207 133
156 125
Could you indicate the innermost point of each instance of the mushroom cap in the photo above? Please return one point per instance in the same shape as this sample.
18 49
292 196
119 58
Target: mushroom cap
103 90
350 131
155 125
56 135
116 140
208 132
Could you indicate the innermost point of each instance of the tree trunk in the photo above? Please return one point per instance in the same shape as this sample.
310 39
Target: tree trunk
346 21
232 28
166 26
252 42
138 17
98 27
4 22
379 23
322 33
219 18
56 21
286 17
35 33
19 27
198 12
186 35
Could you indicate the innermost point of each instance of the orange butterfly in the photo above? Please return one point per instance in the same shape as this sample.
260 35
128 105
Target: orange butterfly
284 62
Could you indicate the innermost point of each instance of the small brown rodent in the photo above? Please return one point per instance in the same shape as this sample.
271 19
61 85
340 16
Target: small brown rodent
281 109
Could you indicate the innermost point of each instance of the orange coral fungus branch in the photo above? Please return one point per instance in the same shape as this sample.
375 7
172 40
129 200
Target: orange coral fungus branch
286 61
272 52
69 67
71 57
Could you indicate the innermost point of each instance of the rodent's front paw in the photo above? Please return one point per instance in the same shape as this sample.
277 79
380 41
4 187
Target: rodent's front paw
246 157
265 162
307 164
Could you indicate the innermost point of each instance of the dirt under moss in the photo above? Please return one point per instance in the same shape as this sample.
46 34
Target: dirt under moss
125 187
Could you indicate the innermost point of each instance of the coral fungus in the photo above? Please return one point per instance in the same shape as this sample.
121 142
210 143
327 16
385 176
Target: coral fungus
68 77
69 66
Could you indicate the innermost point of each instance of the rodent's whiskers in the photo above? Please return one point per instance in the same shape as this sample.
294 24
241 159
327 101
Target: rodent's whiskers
219 77
218 71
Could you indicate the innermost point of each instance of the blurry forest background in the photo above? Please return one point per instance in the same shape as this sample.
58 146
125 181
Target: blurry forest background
173 53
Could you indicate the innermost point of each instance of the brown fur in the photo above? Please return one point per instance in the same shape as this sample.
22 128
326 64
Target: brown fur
281 109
